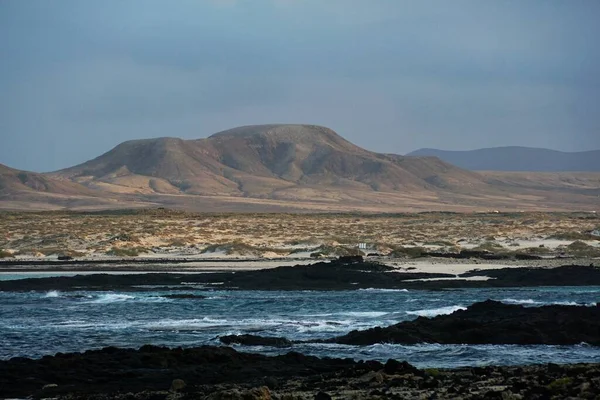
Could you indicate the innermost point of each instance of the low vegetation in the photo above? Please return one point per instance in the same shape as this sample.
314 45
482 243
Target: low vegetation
402 235
5 254
127 251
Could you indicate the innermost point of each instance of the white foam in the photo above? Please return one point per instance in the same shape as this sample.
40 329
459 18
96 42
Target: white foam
53 293
520 301
383 290
573 303
93 325
432 312
368 314
112 298
534 302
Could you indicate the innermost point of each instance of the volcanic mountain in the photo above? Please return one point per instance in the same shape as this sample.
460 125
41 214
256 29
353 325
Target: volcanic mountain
261 161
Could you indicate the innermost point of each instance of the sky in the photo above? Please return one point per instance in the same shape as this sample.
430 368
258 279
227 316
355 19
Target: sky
79 77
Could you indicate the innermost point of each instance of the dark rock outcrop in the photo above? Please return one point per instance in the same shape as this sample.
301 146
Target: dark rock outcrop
253 340
222 373
155 368
334 275
491 322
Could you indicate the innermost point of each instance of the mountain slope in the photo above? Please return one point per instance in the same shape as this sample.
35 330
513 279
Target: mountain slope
518 159
30 190
14 181
257 161
286 168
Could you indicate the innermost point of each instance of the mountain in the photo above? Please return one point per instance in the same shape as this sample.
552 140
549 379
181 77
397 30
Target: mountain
291 168
518 159
269 161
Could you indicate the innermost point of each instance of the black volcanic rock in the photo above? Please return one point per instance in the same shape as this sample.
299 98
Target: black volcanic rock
222 373
113 370
334 275
491 322
253 340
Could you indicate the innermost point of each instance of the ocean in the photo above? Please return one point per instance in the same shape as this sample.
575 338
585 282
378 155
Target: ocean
34 324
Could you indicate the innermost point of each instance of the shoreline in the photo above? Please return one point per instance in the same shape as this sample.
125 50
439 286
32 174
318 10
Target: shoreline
342 274
224 264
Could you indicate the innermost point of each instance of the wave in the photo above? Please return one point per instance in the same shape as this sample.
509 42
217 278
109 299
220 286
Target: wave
53 293
91 325
535 302
432 312
112 298
383 290
368 314
520 301
235 326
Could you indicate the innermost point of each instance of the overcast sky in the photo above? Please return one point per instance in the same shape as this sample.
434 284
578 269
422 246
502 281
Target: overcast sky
78 77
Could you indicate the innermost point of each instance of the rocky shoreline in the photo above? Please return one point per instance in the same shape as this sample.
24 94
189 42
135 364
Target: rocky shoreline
486 322
222 373
342 274
491 322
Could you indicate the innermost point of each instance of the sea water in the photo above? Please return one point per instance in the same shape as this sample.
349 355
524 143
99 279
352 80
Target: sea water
34 324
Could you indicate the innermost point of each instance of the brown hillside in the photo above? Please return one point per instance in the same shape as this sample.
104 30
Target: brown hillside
285 168
257 161
30 190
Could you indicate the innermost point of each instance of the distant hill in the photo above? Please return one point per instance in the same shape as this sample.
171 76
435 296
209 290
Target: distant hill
518 159
24 190
282 167
272 161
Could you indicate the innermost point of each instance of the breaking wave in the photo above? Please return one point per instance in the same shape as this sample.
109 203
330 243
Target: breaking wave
432 312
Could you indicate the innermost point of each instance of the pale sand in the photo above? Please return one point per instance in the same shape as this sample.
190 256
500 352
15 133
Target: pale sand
229 263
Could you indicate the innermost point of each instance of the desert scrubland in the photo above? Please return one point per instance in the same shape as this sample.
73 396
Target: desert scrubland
176 234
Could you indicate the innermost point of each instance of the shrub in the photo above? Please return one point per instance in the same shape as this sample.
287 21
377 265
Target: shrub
581 249
560 384
126 251
410 252
6 254
573 236
432 372
177 243
489 246
535 250
327 250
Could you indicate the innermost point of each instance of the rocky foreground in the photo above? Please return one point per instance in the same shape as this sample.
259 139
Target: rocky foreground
223 373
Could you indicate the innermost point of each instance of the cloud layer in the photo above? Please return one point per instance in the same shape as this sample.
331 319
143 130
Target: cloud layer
78 78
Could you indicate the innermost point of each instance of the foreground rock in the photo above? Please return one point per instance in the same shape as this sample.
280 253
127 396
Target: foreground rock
155 368
222 373
491 322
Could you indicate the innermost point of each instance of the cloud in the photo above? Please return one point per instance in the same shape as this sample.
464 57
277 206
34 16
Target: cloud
391 75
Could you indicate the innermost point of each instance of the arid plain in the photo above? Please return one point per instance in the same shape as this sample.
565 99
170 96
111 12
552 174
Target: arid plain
270 239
